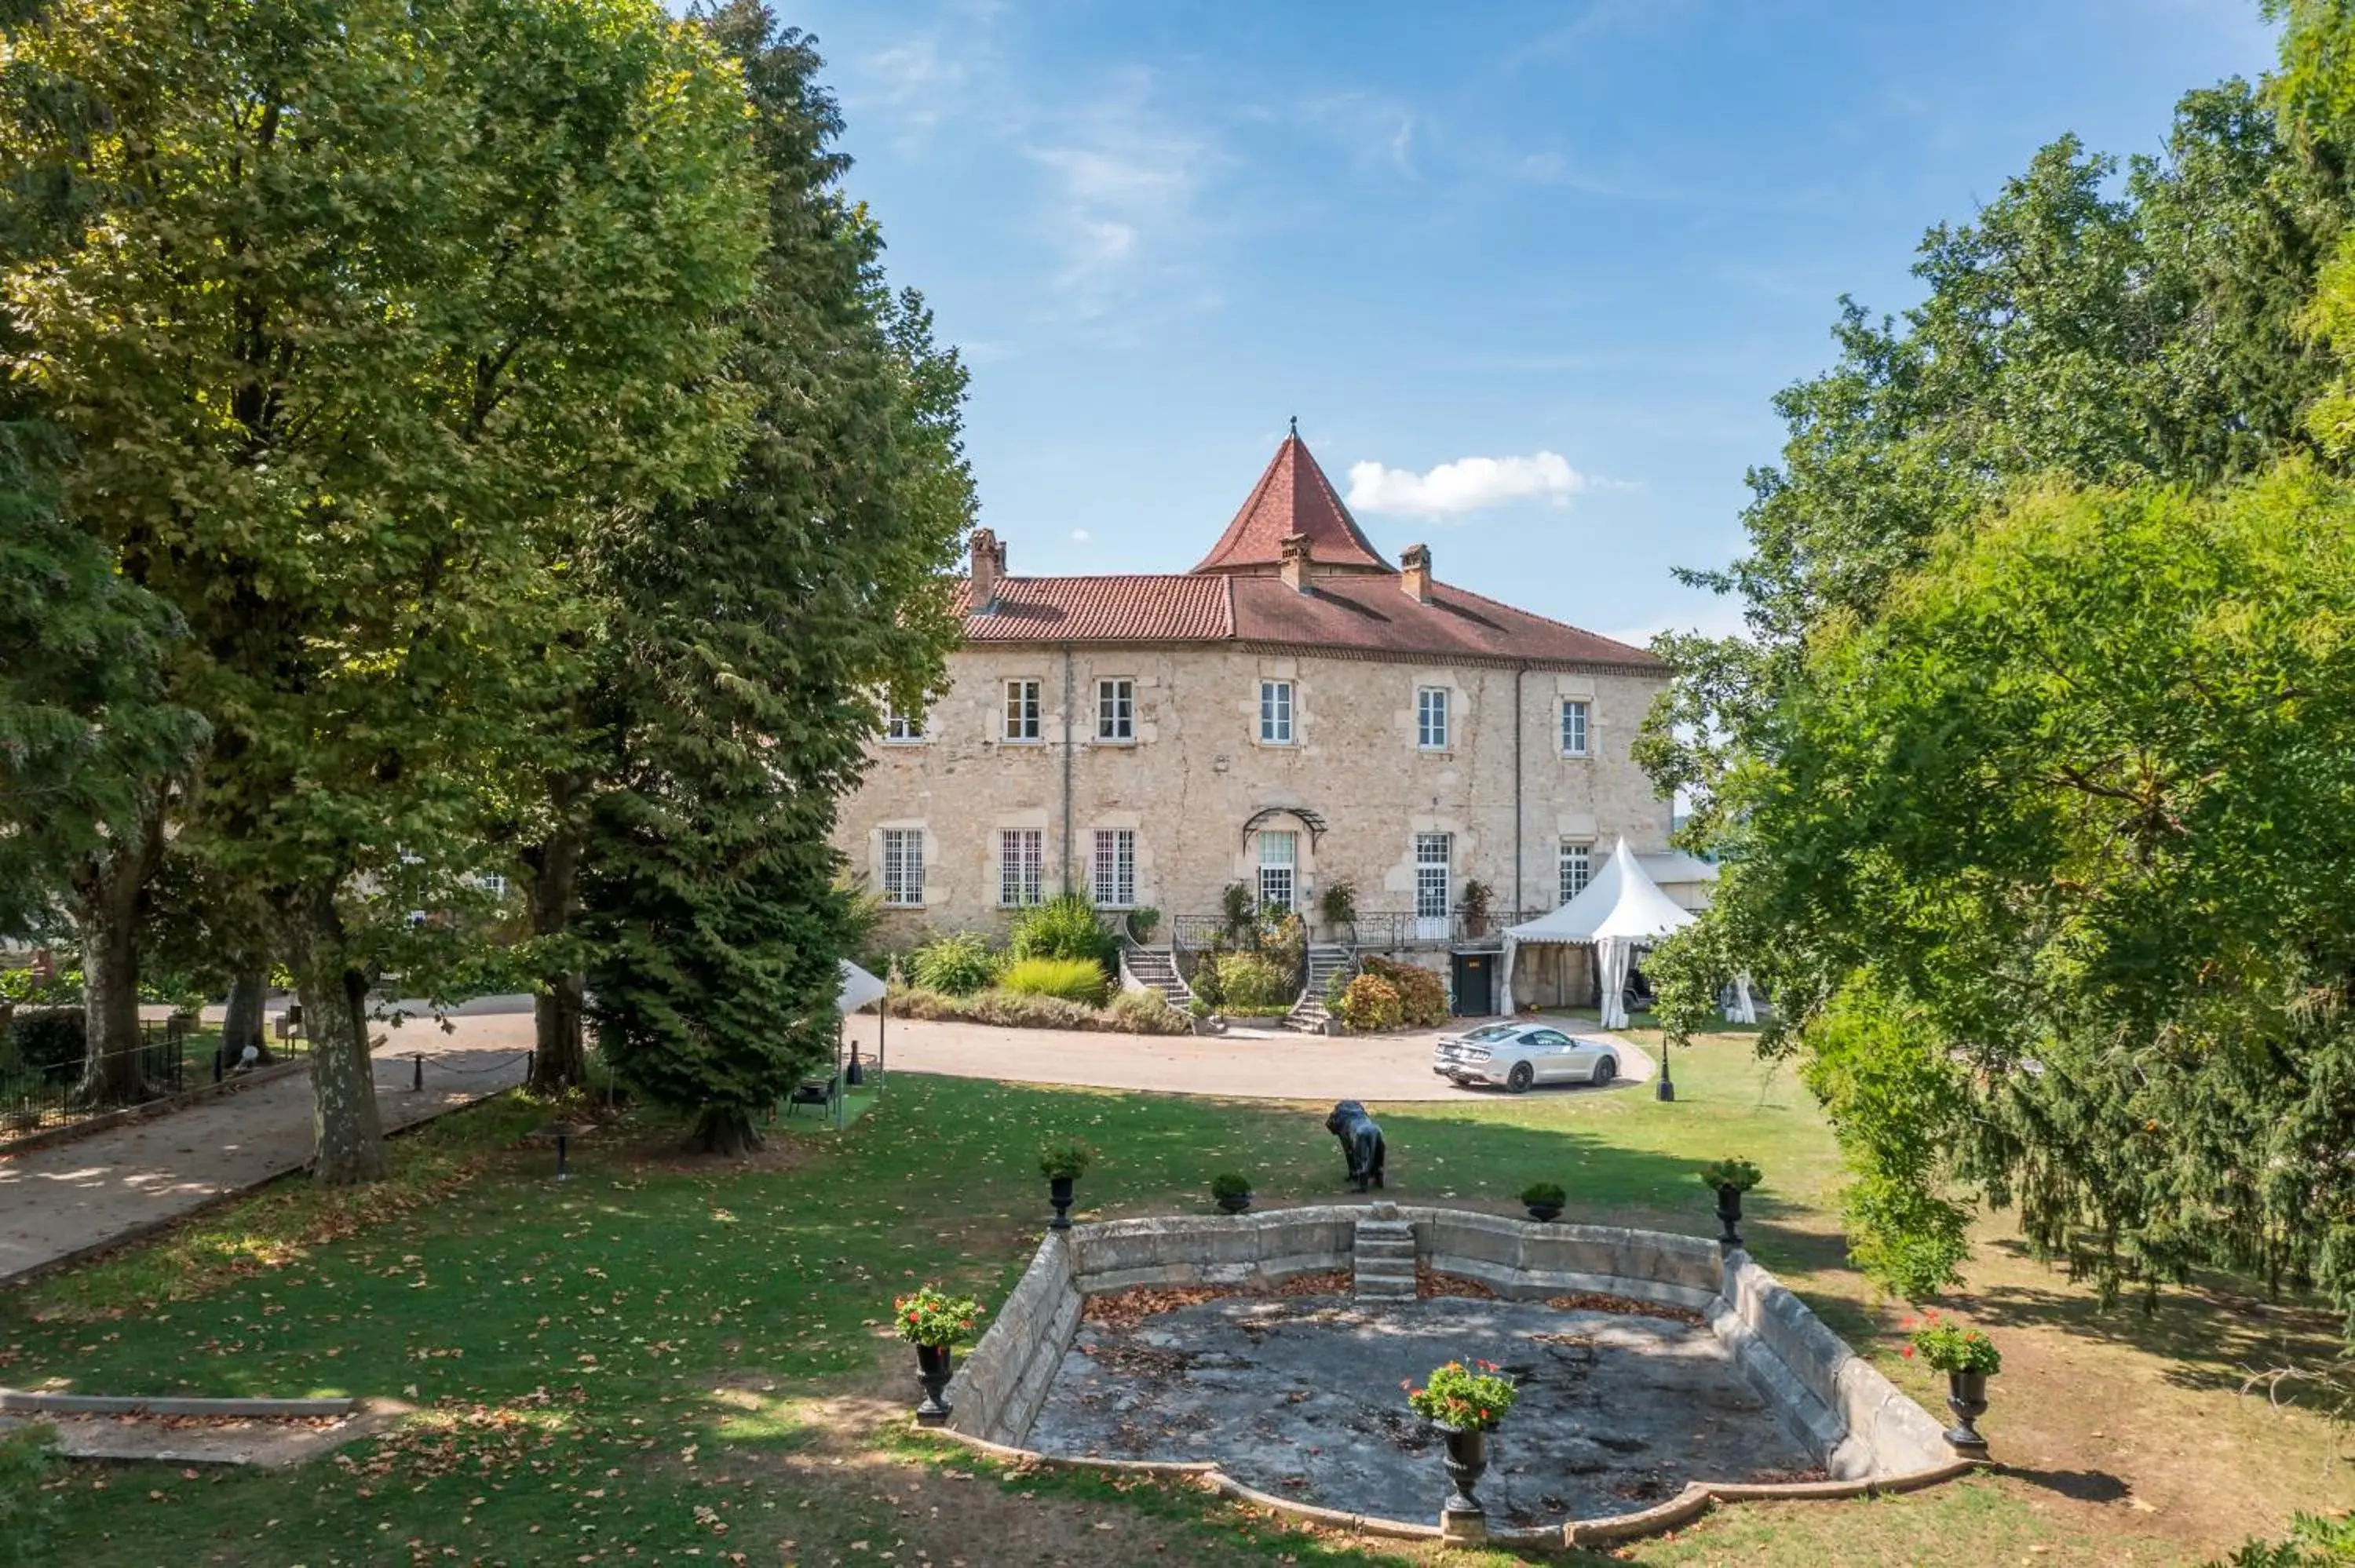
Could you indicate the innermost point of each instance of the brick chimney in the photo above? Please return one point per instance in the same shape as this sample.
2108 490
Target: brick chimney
1299 562
1414 572
988 567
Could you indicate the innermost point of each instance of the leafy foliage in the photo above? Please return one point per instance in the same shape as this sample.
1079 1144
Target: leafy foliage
26 1508
1251 980
1083 981
2315 1541
1737 1173
1064 1158
1064 927
1369 1004
1423 993
1544 1195
928 1316
1230 1184
1946 1346
957 964
1468 1398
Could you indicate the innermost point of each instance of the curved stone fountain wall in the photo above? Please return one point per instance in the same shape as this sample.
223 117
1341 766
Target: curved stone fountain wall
1870 1435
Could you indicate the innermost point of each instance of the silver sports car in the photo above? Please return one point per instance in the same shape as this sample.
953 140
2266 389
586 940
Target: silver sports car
1520 1055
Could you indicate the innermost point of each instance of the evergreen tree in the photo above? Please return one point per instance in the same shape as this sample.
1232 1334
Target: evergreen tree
753 632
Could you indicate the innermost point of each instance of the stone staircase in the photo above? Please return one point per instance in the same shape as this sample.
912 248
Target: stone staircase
1382 1257
1308 1014
1158 967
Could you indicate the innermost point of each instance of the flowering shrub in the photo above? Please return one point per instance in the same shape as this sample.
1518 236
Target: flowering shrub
1423 993
932 1316
1949 1347
1369 1002
1468 1398
1738 1174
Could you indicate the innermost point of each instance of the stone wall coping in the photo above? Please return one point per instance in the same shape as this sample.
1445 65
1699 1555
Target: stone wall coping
1859 1420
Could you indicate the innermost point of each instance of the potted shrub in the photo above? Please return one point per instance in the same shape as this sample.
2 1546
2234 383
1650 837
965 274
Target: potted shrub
1544 1200
1473 906
1337 906
1232 1191
1239 908
1969 1358
936 1323
1142 922
1464 1401
1730 1179
1062 1160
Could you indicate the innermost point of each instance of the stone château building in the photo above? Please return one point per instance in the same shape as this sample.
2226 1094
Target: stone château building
1294 712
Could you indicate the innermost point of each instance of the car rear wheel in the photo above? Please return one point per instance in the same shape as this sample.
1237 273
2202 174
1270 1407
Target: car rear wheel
1606 1071
1519 1079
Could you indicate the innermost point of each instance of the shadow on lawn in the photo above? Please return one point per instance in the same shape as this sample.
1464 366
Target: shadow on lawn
2210 1336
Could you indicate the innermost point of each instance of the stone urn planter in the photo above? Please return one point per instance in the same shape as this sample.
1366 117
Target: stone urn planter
1061 1161
1545 1213
1966 1397
1466 1460
933 1365
1232 1192
1543 1200
1729 1179
934 1321
1235 1203
1462 1402
1729 1216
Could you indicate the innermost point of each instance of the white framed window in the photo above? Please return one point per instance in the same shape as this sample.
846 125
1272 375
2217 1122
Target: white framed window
1022 710
1276 713
1021 856
1115 868
1577 868
900 727
1573 726
903 867
1115 711
1279 859
1434 857
1431 718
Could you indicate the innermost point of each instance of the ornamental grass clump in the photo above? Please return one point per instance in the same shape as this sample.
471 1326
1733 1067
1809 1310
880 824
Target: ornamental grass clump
1471 1398
932 1316
1949 1347
1083 981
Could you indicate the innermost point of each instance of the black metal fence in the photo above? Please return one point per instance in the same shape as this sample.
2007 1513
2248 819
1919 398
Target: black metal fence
42 1071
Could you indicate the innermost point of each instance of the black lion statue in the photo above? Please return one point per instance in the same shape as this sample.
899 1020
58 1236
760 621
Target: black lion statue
1361 1142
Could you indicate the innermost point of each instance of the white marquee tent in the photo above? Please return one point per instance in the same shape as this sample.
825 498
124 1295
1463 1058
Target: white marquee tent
1621 910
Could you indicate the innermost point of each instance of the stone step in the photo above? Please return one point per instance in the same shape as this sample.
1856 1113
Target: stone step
1404 1294
1385 1247
1384 1228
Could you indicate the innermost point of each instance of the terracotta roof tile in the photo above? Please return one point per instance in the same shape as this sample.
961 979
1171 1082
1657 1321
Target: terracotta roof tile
1366 613
1291 497
1136 608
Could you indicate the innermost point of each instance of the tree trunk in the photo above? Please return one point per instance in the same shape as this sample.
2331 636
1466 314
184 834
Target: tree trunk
107 889
560 1059
242 1024
348 1135
727 1130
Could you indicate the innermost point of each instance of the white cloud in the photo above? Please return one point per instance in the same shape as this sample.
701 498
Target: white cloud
1081 535
1467 484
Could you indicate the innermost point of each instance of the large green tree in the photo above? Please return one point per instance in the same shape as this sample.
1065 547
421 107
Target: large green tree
2035 765
92 751
362 295
751 636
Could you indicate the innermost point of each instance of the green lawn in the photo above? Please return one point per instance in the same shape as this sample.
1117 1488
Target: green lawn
668 1358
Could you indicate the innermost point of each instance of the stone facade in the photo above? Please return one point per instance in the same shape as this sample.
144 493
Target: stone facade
1354 788
1111 731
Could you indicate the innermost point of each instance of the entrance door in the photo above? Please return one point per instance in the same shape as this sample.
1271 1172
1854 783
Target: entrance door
1434 858
1475 984
1278 858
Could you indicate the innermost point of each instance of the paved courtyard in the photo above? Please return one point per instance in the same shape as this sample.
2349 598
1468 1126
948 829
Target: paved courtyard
1299 1396
1279 1066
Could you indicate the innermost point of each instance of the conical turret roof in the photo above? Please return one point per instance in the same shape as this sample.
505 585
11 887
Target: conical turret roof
1292 497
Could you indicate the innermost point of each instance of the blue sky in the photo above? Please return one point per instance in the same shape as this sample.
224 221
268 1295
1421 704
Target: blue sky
1586 242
